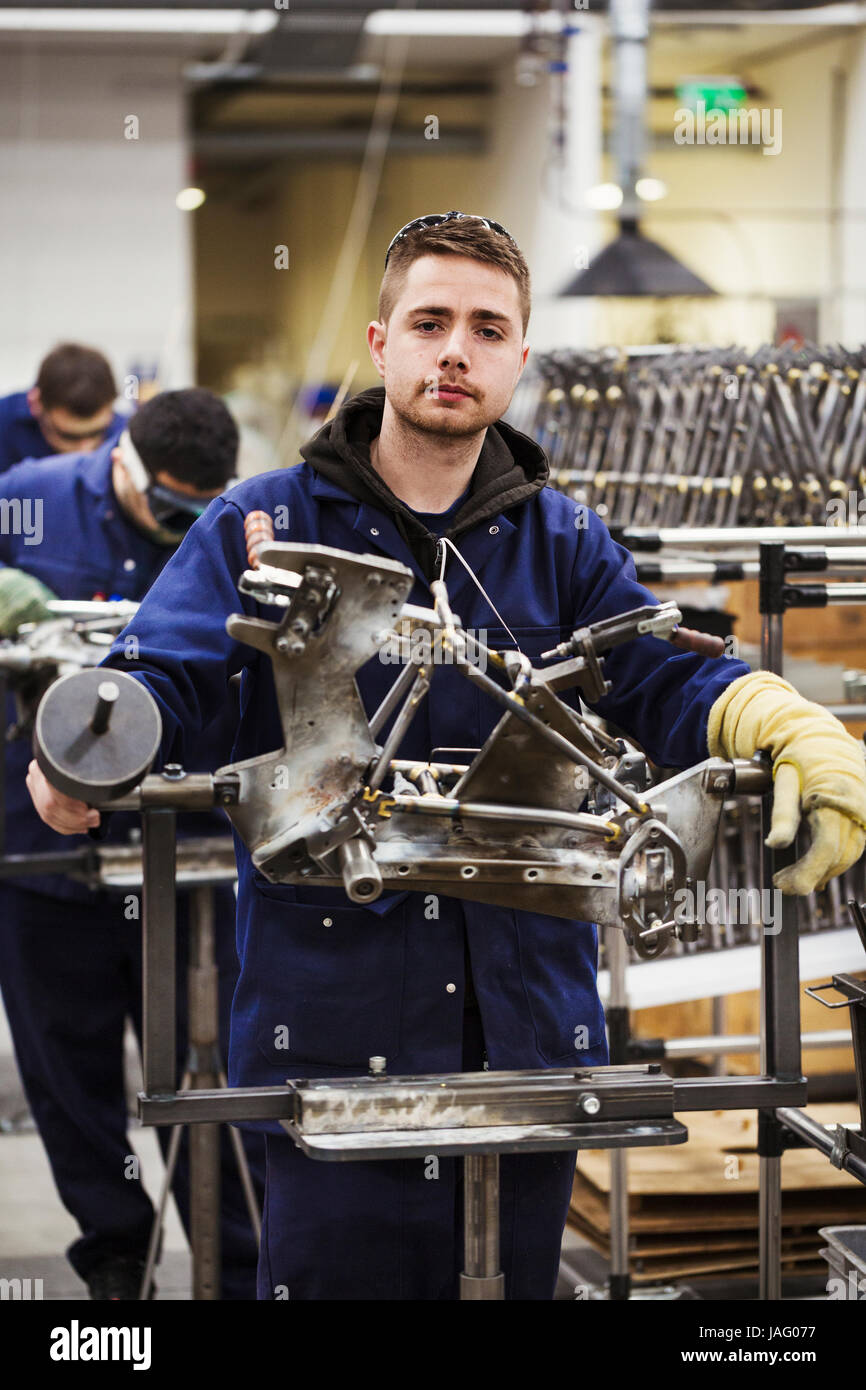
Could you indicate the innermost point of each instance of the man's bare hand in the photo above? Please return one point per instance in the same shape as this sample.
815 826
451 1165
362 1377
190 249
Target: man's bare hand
63 813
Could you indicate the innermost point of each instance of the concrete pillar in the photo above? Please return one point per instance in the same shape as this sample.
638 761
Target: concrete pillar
541 188
844 319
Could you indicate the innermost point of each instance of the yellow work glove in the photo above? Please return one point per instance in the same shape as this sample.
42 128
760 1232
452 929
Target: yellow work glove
818 769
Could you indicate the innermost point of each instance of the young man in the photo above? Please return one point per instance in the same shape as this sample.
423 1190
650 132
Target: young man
69 410
70 959
429 455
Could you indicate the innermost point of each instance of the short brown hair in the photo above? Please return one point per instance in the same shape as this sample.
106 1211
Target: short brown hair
467 237
77 378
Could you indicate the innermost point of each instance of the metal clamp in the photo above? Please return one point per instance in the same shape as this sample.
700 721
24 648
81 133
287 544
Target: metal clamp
840 1146
815 990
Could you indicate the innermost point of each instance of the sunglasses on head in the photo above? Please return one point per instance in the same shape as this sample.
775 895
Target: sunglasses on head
435 219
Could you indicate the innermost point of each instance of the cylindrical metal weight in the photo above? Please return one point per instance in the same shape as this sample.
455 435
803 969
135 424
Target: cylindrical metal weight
96 734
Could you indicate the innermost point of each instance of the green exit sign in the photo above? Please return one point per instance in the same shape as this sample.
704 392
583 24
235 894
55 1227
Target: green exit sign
713 93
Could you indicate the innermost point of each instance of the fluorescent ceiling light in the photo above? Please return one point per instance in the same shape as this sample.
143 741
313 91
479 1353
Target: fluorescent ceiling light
823 16
604 197
459 24
651 190
188 199
139 21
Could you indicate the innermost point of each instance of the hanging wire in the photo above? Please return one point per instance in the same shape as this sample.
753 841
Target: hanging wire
444 541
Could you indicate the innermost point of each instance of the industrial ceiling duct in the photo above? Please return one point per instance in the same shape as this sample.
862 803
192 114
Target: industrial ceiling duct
632 264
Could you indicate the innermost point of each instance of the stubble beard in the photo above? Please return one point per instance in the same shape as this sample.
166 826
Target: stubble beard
456 423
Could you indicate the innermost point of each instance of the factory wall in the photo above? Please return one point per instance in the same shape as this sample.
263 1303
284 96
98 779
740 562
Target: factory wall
754 225
92 246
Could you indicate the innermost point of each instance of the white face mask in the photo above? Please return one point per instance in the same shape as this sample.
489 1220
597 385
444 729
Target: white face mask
138 474
173 512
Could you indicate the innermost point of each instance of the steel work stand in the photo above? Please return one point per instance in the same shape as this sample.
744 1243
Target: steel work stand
781 1128
380 1117
206 863
478 1116
474 1115
360 1118
204 1070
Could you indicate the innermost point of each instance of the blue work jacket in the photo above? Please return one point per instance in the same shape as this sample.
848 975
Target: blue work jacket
326 984
21 438
68 530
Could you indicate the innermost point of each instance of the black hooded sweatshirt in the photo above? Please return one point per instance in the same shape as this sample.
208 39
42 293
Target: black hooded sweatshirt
511 468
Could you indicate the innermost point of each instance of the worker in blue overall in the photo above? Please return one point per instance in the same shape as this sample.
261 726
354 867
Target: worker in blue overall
449 984
102 525
69 410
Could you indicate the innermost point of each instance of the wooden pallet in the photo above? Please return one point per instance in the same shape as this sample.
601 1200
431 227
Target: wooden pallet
693 1208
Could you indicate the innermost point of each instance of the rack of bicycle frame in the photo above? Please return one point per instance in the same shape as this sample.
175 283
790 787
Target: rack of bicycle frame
703 436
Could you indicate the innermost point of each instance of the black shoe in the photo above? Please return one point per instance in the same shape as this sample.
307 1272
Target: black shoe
117 1279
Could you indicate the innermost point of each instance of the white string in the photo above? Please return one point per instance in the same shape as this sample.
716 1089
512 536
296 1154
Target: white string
477 582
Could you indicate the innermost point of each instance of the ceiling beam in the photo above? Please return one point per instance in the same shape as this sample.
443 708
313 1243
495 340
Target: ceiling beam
240 146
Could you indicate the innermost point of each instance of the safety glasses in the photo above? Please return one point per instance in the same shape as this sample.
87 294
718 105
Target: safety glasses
173 511
75 436
435 219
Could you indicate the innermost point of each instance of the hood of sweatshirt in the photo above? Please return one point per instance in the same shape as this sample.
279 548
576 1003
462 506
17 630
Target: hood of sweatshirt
511 467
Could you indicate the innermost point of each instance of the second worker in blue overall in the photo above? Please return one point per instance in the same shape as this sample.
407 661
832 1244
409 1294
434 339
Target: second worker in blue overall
103 525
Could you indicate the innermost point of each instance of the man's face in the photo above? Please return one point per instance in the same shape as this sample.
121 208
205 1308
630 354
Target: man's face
136 504
66 433
452 351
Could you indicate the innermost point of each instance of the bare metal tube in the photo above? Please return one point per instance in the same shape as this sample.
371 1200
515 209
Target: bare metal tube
451 806
482 1278
702 537
361 877
713 1046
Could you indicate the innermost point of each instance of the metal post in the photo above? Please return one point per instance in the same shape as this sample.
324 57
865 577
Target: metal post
156 1230
771 602
619 1286
718 1025
780 969
204 1066
159 909
482 1277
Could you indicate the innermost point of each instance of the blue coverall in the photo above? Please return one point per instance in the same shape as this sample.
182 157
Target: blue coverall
350 982
70 958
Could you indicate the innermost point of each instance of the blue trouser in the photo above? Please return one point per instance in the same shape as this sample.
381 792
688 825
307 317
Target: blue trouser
70 973
394 1229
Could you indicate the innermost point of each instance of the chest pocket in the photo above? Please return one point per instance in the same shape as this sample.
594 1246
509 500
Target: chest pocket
330 978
